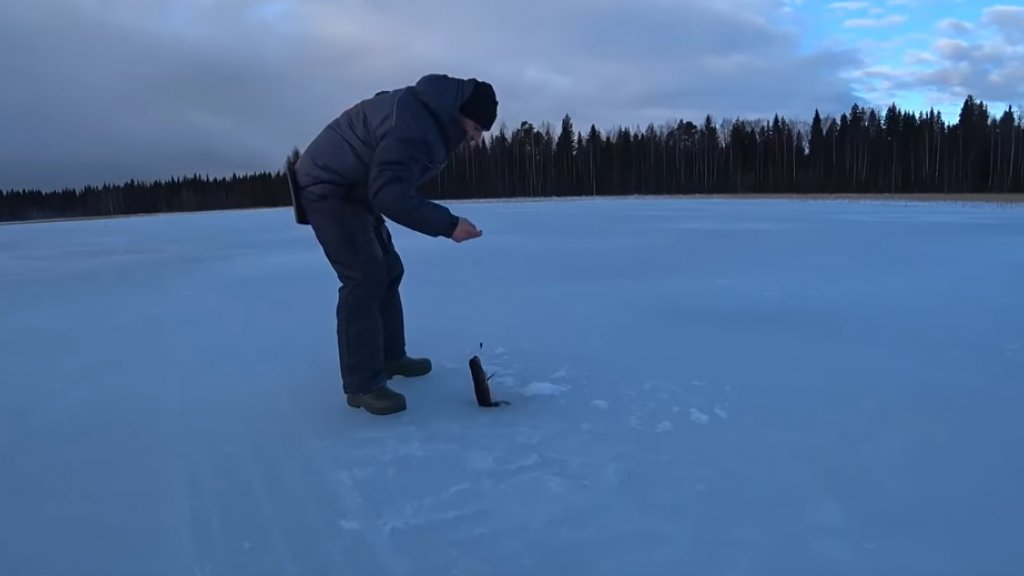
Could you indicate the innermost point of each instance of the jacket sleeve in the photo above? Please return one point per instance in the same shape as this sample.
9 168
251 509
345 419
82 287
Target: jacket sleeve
392 188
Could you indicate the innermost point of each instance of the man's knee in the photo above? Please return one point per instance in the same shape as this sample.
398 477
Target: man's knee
366 284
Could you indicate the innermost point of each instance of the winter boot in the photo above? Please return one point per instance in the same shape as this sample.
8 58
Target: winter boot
408 367
381 401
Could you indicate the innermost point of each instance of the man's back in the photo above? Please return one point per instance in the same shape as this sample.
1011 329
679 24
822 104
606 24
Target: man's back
425 117
341 154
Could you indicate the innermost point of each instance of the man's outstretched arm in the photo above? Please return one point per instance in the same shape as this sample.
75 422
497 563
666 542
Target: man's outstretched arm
393 190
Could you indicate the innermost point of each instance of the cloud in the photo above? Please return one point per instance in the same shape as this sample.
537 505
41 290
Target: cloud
984 57
1007 20
790 6
920 57
953 26
891 20
106 90
849 5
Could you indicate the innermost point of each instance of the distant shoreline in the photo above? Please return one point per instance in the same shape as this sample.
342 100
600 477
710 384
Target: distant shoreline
955 198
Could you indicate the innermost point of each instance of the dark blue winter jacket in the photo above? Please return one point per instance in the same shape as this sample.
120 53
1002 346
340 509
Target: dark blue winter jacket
379 151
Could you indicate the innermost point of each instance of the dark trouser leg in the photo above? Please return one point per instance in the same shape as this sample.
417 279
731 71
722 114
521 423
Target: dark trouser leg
391 312
350 239
397 363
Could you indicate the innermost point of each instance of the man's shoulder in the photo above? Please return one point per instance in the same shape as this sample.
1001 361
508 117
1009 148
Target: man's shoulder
403 118
392 109
410 112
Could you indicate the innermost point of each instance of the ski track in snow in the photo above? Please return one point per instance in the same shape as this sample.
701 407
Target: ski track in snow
788 400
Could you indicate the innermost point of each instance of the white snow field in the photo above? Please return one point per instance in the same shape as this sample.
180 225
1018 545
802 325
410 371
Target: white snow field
705 387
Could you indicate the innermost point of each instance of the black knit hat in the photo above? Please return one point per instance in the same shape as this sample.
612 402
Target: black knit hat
482 105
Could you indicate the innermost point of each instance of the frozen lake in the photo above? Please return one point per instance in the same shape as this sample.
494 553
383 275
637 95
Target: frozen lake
712 387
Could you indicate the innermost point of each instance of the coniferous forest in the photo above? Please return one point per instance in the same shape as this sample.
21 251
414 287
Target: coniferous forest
863 151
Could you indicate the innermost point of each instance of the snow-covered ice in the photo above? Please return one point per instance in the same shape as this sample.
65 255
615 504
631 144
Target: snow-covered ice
707 387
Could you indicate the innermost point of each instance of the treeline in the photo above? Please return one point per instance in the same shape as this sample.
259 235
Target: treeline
179 194
862 151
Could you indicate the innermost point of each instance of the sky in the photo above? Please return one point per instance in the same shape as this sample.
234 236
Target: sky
98 91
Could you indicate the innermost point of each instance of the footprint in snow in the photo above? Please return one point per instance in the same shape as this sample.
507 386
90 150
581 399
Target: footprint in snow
543 389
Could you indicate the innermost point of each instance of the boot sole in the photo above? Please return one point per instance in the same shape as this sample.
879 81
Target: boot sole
408 375
377 411
392 375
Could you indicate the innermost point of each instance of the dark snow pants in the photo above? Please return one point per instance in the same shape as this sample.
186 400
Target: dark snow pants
370 320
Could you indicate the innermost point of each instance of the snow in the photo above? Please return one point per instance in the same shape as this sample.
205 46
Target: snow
707 387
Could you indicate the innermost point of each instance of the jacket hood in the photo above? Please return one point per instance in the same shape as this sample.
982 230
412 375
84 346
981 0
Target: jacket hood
444 95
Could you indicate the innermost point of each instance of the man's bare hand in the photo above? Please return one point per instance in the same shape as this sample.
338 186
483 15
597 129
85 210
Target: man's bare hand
465 230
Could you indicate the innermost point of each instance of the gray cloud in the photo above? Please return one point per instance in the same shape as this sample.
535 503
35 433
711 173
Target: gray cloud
1008 20
953 26
107 90
985 58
